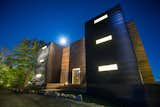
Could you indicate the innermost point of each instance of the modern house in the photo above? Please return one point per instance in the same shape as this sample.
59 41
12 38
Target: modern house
109 61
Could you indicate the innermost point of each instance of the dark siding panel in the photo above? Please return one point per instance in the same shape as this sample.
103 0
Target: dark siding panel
119 51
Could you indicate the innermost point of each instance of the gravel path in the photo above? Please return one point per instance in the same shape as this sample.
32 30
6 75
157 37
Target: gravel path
8 99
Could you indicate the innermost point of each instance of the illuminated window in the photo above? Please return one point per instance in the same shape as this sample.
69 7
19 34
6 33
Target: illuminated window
41 61
104 39
101 18
38 75
110 67
44 47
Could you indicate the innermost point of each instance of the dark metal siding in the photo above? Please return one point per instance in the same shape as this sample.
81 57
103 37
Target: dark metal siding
118 51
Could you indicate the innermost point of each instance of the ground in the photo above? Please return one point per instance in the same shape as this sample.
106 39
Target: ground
9 99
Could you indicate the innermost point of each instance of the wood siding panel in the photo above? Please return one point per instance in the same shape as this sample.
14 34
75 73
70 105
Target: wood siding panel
142 61
54 63
65 65
77 60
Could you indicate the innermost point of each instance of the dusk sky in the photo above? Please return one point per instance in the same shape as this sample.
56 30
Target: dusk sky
48 20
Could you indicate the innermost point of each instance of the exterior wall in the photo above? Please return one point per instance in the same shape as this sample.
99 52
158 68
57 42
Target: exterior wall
65 65
77 60
142 61
41 67
54 63
122 82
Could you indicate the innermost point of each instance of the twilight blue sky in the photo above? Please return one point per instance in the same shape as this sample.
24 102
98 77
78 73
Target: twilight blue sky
49 19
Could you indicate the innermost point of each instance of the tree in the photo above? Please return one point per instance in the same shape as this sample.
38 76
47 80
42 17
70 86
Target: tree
24 58
5 75
17 68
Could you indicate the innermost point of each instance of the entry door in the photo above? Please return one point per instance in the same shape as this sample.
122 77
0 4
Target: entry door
76 76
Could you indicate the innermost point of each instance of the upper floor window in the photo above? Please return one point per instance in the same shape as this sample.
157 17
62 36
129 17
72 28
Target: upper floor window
110 67
43 48
104 39
100 18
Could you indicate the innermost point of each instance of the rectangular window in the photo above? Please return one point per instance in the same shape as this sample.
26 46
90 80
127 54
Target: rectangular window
101 18
104 39
110 67
41 61
43 48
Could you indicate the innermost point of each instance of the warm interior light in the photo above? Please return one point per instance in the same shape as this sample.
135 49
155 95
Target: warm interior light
104 39
101 18
41 61
76 69
76 76
44 47
38 75
110 67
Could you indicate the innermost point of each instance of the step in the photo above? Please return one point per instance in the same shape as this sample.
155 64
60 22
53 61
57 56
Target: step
54 86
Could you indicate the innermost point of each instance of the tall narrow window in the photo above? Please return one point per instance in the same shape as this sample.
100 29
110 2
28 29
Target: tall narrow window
104 39
101 18
110 67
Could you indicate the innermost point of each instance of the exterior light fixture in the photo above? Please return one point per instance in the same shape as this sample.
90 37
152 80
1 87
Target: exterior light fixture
44 47
104 39
101 18
1 82
29 82
8 85
38 75
41 61
110 67
66 83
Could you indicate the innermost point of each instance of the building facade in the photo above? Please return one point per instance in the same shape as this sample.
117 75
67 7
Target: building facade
110 61
116 62
59 66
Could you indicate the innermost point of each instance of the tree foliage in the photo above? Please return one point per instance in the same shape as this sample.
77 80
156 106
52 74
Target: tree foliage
17 68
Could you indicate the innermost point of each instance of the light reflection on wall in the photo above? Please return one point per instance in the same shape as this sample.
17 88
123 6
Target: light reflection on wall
41 66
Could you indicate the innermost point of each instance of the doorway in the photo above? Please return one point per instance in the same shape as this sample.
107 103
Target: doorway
76 76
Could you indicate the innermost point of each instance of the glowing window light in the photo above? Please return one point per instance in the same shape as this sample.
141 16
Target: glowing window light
110 67
101 18
104 39
44 47
76 69
41 61
38 75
